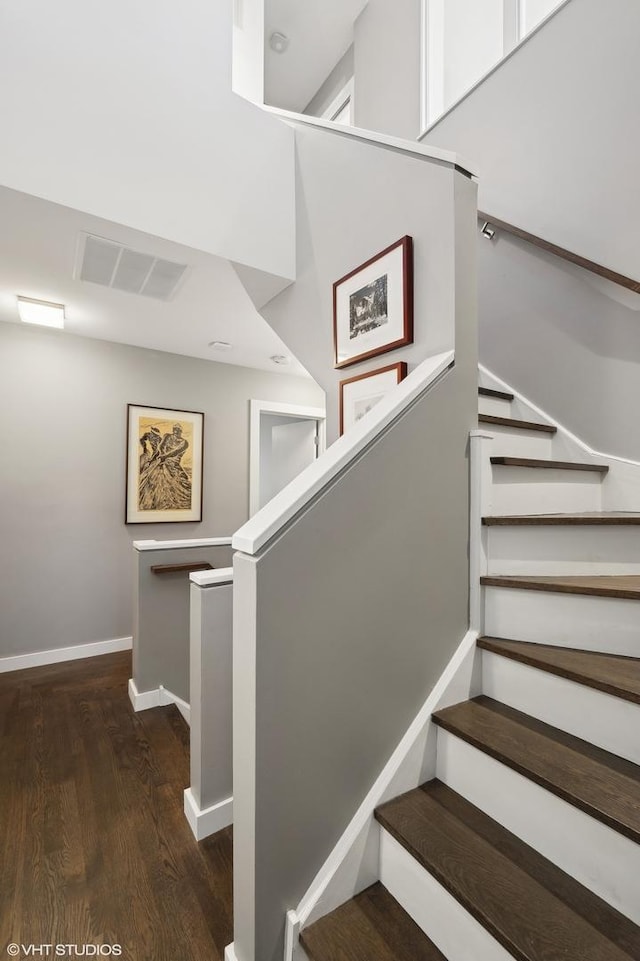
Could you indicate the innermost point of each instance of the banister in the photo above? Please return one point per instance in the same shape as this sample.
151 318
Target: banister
184 544
277 514
562 252
223 575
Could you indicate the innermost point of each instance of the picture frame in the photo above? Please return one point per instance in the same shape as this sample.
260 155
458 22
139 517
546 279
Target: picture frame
165 463
373 306
359 394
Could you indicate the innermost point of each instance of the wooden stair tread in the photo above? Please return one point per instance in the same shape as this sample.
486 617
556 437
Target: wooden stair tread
490 392
370 927
516 424
626 586
535 910
587 519
611 673
605 786
548 464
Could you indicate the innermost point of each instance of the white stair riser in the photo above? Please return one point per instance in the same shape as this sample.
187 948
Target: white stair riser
495 406
555 551
594 854
451 928
604 720
611 625
521 490
508 442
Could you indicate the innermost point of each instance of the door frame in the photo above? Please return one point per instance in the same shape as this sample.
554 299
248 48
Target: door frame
256 409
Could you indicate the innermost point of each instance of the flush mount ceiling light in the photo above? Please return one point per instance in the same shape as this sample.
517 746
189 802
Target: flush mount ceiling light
220 345
281 359
278 41
41 312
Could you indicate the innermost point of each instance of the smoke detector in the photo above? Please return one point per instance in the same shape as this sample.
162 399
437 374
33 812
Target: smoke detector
281 359
219 345
278 42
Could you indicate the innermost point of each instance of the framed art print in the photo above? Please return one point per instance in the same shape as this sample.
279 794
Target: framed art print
164 465
359 395
373 306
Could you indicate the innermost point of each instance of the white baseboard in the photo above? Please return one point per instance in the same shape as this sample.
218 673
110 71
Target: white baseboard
230 952
144 700
353 863
206 821
19 662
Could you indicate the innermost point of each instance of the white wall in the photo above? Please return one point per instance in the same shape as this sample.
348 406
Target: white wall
355 199
125 110
67 562
387 67
553 135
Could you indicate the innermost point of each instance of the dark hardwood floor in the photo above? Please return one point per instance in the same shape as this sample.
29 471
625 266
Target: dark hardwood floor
94 844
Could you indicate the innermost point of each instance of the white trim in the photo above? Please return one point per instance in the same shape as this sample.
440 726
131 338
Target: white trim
19 662
339 102
275 515
428 127
158 697
206 821
230 952
145 700
411 147
256 409
291 935
181 545
221 575
567 433
445 691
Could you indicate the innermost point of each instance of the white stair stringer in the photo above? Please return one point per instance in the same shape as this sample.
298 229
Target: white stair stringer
442 918
600 858
607 624
604 720
527 490
569 550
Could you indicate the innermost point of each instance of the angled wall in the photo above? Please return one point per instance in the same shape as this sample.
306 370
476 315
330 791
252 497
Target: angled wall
125 110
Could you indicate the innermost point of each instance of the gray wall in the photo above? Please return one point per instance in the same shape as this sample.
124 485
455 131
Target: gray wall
551 134
375 578
66 553
211 654
333 85
387 67
355 199
161 617
567 340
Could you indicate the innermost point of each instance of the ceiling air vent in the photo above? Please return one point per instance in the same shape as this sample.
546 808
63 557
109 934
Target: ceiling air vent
112 265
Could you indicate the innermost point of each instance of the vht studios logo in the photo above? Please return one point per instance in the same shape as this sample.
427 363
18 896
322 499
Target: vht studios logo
64 950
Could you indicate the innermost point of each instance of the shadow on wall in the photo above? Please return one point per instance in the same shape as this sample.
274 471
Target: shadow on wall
569 341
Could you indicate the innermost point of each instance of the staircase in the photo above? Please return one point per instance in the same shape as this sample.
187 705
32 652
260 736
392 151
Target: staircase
527 843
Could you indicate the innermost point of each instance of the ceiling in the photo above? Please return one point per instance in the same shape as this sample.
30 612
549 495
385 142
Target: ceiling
319 35
39 243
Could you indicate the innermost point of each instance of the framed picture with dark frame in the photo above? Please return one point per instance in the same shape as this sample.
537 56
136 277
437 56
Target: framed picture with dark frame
373 306
164 465
360 394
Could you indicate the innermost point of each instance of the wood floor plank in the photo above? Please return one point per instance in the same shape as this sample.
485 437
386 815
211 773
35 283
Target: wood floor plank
535 910
95 845
625 586
370 927
490 392
611 673
538 464
605 786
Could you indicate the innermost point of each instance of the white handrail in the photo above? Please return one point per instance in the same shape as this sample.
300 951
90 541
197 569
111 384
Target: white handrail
275 515
423 151
220 575
186 543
